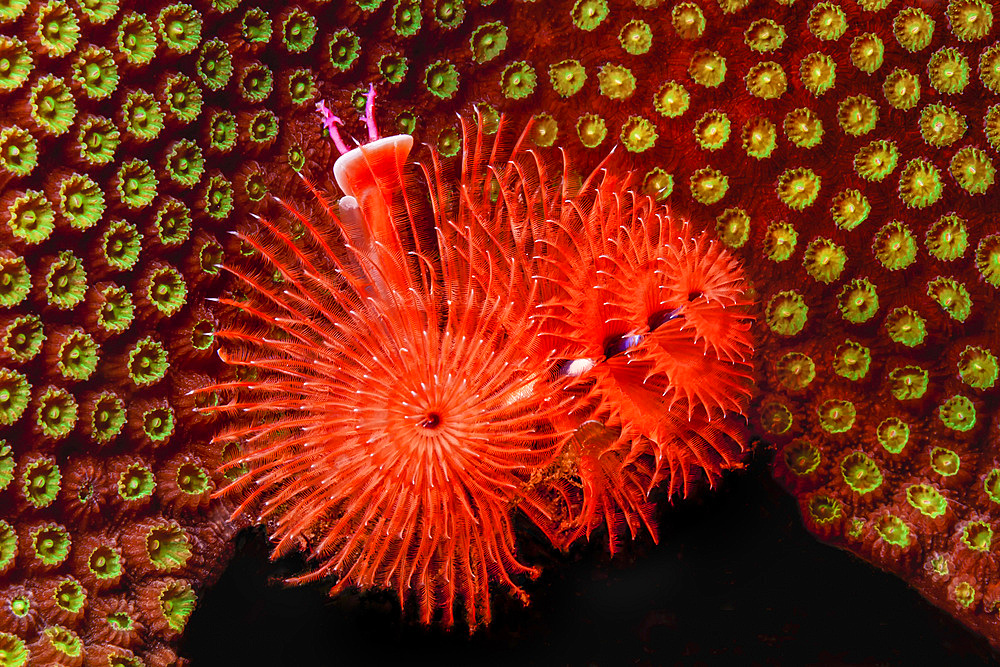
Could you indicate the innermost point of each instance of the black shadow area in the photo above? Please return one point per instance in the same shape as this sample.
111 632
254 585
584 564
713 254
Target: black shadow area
735 580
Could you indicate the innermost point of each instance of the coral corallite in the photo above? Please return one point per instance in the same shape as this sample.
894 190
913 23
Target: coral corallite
424 367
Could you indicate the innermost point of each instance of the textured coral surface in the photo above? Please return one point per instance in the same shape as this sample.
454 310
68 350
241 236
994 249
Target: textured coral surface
845 151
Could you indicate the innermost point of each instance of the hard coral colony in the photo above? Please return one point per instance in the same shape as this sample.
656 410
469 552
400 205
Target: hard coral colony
440 344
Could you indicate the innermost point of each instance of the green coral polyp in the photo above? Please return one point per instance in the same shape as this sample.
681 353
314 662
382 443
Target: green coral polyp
818 73
544 129
52 106
978 367
69 596
867 52
988 259
849 209
801 457
708 185
948 238
977 535
40 482
945 462
18 151
688 20
215 64
970 20
776 418
591 129
8 550
913 29
256 26
136 483
23 337
638 134
158 424
892 529
712 130
30 217
989 69
343 49
15 281
636 37
941 125
147 362
179 26
15 392
759 138
851 360
57 28
857 115
15 62
732 226
517 81
441 79
173 222
136 184
958 413
65 281
56 413
824 509
948 71
824 260
905 326
920 183
786 313
136 39
222 131
902 89
858 301
168 547
908 382
588 14
893 434
95 72
50 544
81 201
991 484
616 82
860 473
836 415
78 356
121 245
952 296
798 188
780 240
393 67
449 13
707 68
184 163
795 371
104 563
764 35
803 127
767 80
192 480
488 41
183 98
827 21
107 418
99 11
97 140
894 246
218 197
671 100
298 32
927 500
973 170
658 183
